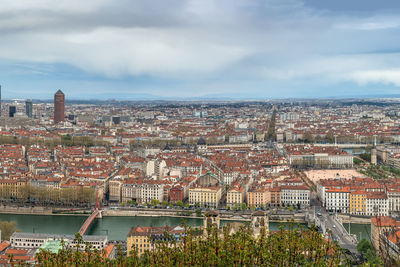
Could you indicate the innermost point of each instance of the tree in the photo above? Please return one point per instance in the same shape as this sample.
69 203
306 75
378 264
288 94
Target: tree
244 206
155 202
364 245
198 213
357 161
308 137
164 203
366 156
7 229
365 248
179 203
287 247
330 137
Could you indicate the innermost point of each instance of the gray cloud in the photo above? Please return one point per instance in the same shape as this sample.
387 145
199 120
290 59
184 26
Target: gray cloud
265 40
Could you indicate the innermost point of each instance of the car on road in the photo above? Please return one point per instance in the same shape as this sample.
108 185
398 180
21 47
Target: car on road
319 214
334 226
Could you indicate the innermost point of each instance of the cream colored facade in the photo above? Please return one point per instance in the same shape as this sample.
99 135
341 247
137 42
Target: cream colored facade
257 197
235 197
142 239
115 190
11 187
139 242
205 196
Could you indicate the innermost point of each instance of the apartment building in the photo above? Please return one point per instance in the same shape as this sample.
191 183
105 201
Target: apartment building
141 239
275 197
205 196
292 195
235 194
381 225
257 197
377 204
358 202
393 195
150 190
337 199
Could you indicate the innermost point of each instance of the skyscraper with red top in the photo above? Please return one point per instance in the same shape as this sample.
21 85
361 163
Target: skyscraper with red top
59 106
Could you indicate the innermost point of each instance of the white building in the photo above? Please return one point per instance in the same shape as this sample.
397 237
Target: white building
377 204
293 195
393 195
36 240
337 199
151 190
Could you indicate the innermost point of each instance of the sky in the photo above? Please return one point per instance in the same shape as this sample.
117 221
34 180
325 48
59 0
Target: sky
208 49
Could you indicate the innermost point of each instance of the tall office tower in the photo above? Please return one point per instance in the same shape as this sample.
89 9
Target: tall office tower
59 106
28 108
12 111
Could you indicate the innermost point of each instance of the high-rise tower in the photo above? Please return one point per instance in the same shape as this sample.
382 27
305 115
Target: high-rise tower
28 108
59 106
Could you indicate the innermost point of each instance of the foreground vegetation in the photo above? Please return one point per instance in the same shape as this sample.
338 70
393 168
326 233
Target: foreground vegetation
287 247
7 229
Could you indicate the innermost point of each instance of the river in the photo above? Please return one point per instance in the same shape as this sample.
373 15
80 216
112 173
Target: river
116 227
360 230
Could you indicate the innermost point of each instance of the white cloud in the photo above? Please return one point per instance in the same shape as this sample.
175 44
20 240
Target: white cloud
278 40
385 76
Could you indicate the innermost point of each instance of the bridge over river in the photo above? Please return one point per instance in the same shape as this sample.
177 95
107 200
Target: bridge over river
96 213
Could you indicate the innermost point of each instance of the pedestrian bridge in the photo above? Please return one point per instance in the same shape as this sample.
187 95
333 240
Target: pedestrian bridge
96 213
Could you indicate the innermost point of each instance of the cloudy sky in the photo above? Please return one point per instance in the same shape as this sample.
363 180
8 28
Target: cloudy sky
173 49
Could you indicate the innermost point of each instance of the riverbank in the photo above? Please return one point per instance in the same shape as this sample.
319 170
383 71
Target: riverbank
227 216
26 210
352 219
230 216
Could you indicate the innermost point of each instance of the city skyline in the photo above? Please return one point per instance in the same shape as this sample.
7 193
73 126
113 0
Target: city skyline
200 49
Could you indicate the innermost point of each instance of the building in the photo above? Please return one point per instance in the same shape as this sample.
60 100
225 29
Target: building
259 222
205 196
140 239
337 199
115 190
211 219
275 197
235 195
36 240
28 108
12 111
257 197
292 195
177 193
206 192
318 157
59 106
393 195
391 244
380 226
131 190
377 204
151 190
358 203
11 188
